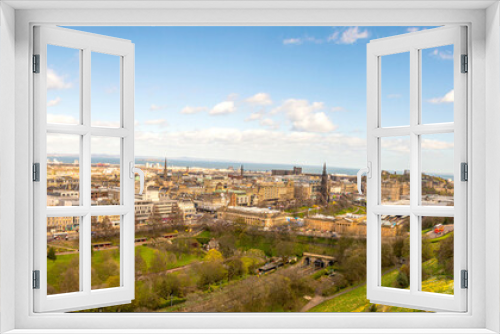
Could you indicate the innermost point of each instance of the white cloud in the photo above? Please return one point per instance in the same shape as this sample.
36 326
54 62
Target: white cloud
261 99
54 102
193 110
413 29
403 145
55 81
333 37
442 54
432 144
300 40
305 116
447 98
106 124
336 109
396 145
226 107
292 41
259 145
254 116
351 35
159 122
267 122
155 107
61 119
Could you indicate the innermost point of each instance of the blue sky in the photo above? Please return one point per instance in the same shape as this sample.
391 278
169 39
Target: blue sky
260 94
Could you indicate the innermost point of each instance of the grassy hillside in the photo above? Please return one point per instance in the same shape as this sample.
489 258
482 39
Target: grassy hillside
355 300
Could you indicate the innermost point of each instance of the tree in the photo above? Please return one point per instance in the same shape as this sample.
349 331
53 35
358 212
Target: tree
256 253
140 265
158 263
387 255
234 268
402 280
227 245
285 250
427 250
209 273
51 254
213 255
445 254
354 268
167 286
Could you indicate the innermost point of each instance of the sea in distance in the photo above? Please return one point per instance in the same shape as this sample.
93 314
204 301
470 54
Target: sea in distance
195 163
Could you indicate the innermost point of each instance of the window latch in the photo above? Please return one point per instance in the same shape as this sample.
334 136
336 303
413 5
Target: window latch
368 172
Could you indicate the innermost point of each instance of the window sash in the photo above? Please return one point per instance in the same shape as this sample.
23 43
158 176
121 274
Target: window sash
86 298
413 43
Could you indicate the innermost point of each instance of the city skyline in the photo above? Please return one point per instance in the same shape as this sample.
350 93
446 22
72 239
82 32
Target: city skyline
211 93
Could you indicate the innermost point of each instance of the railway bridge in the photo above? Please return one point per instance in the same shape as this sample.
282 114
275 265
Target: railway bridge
317 260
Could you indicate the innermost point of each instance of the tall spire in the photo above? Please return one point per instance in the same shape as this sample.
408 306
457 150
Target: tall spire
242 170
165 169
324 186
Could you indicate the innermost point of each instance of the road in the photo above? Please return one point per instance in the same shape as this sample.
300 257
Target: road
447 229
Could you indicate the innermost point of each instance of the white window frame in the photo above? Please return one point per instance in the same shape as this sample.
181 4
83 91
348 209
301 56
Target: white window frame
86 44
483 315
413 43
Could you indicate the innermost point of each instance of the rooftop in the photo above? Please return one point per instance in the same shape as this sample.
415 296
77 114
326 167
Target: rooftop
253 209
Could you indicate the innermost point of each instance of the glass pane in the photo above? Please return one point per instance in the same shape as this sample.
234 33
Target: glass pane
63 260
63 170
395 252
106 163
395 164
437 254
105 103
105 252
437 84
395 89
437 169
63 85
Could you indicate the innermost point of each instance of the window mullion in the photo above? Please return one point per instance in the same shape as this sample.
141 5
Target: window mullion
85 177
414 169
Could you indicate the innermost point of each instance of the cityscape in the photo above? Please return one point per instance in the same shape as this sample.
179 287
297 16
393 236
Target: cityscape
236 240
250 139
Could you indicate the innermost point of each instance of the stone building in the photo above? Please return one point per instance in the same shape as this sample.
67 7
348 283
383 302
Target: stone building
253 216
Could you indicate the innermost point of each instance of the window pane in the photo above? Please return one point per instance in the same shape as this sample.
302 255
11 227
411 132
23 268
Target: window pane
63 170
105 252
105 103
395 252
437 84
63 85
395 163
395 89
437 254
437 169
63 257
106 164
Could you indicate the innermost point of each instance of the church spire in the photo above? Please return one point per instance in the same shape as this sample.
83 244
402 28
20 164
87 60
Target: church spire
165 169
241 170
324 186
